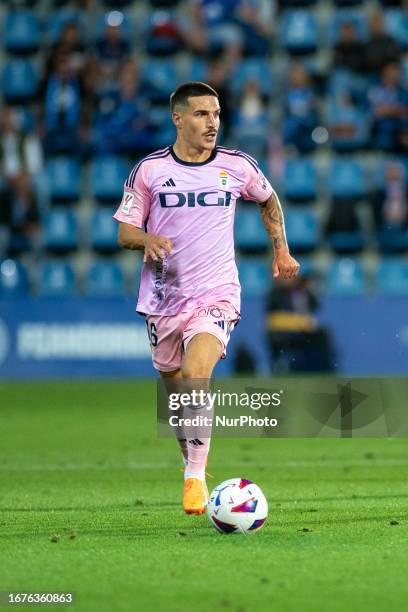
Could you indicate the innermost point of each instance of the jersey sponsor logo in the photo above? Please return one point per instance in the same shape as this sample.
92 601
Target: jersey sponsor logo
169 199
223 179
127 202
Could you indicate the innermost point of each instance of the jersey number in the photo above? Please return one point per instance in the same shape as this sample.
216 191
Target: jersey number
152 333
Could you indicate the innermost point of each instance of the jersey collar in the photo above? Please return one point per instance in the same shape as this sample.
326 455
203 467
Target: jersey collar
187 163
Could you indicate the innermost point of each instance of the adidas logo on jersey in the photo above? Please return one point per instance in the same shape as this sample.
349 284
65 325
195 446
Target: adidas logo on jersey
169 183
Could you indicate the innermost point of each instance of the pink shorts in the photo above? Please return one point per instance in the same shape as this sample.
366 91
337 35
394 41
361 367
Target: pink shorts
170 335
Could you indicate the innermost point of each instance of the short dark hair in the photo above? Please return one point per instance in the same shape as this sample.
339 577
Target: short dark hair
188 90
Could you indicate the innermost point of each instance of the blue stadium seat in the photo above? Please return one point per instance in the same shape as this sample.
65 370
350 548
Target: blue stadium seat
300 180
19 81
159 78
258 69
350 117
59 19
299 32
21 32
250 234
125 26
57 279
393 239
346 180
396 24
392 276
345 243
105 279
296 3
108 174
347 3
60 231
13 278
345 277
164 131
103 231
255 276
302 230
197 69
341 16
63 179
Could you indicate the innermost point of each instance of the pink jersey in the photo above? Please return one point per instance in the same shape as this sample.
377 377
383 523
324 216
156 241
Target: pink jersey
192 204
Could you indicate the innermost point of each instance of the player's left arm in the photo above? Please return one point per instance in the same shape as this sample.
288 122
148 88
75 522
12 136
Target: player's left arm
284 265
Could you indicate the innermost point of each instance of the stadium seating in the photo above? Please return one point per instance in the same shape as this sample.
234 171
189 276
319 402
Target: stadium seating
346 180
21 32
63 175
103 231
393 239
59 19
396 23
258 69
56 279
348 127
299 32
105 280
345 243
392 277
338 18
60 231
302 230
13 278
346 278
255 276
108 174
300 180
250 235
20 81
158 78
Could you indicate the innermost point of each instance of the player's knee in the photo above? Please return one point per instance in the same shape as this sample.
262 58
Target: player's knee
196 371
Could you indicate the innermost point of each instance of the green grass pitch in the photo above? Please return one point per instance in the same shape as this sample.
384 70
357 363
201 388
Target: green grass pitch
90 502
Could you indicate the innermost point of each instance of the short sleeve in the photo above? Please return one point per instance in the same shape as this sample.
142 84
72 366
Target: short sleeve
135 205
256 186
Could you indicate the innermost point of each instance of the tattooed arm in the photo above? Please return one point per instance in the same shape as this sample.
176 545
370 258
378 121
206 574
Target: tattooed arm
284 265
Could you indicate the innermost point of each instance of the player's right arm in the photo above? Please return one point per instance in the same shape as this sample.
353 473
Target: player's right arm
132 214
135 239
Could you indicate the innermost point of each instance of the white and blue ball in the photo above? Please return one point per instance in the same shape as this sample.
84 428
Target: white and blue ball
237 505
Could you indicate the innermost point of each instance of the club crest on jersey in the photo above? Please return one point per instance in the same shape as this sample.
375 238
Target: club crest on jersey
127 202
223 179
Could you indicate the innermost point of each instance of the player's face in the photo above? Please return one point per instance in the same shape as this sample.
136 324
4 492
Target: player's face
199 123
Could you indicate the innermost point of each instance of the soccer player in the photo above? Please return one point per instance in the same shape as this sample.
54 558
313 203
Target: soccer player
178 207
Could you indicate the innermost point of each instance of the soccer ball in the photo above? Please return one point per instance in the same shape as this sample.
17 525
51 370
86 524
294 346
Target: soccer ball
237 505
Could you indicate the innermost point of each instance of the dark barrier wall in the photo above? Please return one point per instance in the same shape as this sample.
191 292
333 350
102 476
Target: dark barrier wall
105 338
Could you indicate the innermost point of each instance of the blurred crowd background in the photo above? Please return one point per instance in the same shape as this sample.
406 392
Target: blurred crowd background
316 90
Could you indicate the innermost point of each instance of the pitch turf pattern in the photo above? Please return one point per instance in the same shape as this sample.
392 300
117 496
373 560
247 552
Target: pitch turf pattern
90 502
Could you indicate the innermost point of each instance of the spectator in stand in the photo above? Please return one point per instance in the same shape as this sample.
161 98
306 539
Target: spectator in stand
300 112
112 49
348 52
19 216
251 121
388 103
218 74
390 203
255 17
212 28
62 109
297 342
20 148
380 48
124 129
